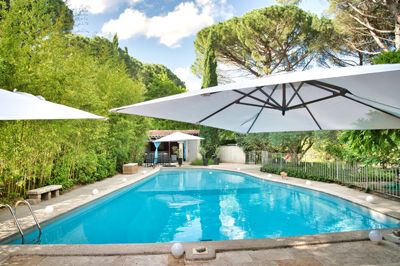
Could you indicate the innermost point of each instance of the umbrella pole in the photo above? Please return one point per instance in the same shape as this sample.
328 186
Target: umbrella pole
169 150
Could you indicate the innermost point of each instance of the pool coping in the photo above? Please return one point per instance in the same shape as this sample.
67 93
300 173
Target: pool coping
216 246
164 248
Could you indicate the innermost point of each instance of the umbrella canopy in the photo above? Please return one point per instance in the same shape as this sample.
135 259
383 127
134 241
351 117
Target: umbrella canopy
363 97
177 137
24 106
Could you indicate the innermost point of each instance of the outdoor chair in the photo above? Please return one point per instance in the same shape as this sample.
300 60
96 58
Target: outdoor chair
149 160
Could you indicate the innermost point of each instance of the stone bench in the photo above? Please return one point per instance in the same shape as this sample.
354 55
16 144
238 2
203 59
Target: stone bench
35 196
130 168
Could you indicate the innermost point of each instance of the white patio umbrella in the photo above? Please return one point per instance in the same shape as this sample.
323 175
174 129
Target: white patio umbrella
24 106
174 137
363 97
177 137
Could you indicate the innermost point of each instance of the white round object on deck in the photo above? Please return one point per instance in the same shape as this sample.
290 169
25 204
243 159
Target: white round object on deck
308 183
95 191
370 199
144 172
177 250
375 235
49 209
238 169
269 175
124 179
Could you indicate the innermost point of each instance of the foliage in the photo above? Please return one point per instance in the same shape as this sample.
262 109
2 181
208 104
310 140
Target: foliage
293 172
369 26
391 57
210 142
286 142
374 146
199 162
371 146
253 142
161 86
210 77
210 135
39 56
268 40
291 142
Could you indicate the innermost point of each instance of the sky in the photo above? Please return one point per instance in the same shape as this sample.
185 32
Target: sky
163 31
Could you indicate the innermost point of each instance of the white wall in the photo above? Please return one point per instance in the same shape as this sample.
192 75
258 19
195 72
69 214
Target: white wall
192 149
231 154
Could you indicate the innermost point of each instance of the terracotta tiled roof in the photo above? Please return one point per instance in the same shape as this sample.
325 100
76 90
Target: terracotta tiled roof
162 133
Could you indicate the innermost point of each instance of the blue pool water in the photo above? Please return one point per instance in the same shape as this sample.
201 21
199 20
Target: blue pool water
194 205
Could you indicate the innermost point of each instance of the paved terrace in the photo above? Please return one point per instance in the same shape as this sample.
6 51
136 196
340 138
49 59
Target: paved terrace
350 248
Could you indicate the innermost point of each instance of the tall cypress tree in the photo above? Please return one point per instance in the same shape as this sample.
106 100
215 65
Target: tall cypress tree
210 79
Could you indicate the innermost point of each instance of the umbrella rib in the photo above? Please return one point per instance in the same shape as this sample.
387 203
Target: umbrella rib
373 107
273 90
296 91
255 98
257 105
327 86
228 105
366 99
305 106
270 97
256 118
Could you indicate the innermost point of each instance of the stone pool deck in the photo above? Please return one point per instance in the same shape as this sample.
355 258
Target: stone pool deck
350 248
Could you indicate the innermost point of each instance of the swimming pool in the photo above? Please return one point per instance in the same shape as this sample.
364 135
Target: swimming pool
201 204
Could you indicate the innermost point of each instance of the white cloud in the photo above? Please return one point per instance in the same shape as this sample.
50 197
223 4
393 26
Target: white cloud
98 6
135 23
184 20
192 82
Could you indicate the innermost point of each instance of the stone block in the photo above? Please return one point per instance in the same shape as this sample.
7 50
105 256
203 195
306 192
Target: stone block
130 168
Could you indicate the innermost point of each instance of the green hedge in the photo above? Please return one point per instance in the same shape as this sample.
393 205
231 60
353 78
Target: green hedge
200 162
293 172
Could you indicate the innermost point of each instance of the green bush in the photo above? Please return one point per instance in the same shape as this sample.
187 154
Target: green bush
390 57
198 162
293 172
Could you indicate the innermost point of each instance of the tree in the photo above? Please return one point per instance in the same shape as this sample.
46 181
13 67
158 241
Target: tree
268 40
161 86
297 144
367 146
39 56
391 57
253 142
369 26
374 146
210 135
210 77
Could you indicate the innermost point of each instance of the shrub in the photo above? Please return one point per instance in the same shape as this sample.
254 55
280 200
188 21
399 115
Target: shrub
293 172
198 162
